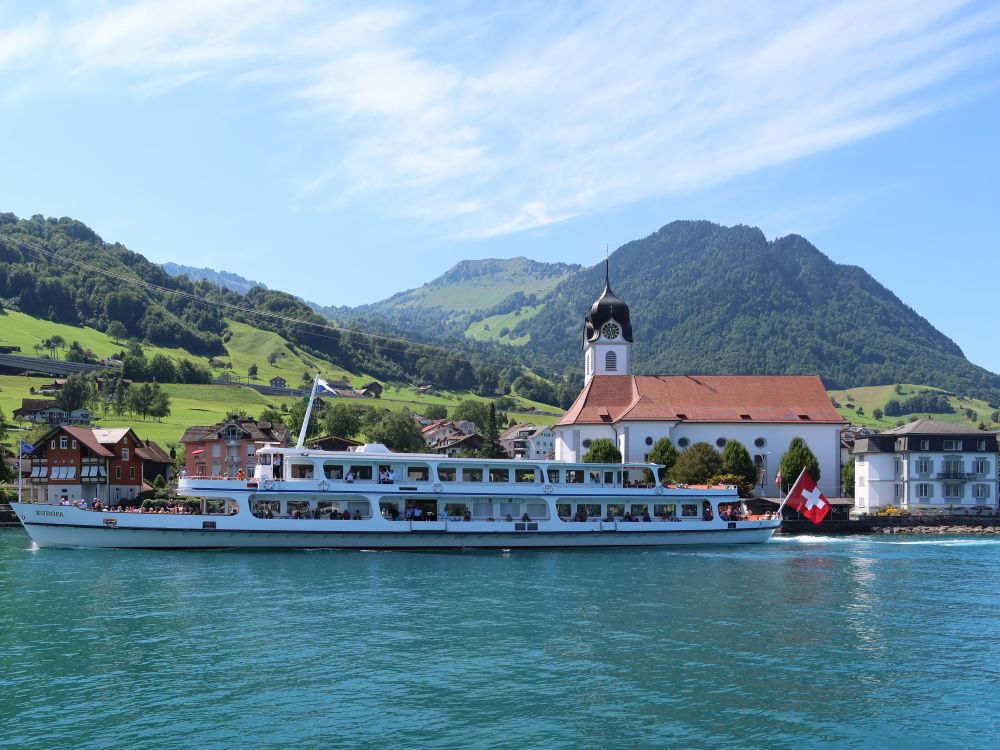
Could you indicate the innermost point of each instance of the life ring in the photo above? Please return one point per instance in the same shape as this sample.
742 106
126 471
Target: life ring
547 489
437 486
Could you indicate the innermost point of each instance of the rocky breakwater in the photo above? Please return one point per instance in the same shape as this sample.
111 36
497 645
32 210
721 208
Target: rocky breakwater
953 525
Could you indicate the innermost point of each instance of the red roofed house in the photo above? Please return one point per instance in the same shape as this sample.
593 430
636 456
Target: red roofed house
228 447
764 412
77 462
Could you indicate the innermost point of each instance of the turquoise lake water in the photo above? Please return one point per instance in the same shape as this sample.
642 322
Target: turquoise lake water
799 643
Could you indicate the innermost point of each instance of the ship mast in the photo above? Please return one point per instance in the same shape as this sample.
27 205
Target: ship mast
305 419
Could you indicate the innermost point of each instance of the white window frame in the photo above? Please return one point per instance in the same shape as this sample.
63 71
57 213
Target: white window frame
981 462
952 445
952 490
981 491
124 454
925 461
925 490
63 442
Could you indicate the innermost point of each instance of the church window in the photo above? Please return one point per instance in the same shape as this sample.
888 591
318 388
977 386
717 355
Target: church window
683 442
760 442
587 443
649 440
721 442
611 362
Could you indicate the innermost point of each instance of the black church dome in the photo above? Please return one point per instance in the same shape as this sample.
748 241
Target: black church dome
608 307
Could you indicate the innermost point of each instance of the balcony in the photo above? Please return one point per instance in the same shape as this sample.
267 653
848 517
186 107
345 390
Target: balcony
958 476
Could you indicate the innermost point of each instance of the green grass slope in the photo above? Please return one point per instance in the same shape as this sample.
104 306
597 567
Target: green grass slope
866 399
490 328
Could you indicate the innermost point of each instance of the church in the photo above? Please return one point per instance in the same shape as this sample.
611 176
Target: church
764 412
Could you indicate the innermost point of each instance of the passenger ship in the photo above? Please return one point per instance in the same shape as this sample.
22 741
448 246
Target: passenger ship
372 498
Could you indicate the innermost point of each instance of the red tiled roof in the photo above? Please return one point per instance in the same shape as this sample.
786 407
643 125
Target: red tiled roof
87 437
702 398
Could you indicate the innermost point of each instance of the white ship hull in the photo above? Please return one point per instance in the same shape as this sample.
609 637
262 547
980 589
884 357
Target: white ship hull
62 526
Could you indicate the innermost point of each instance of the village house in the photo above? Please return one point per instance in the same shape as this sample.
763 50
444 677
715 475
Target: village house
278 382
763 412
226 448
332 443
47 411
927 466
72 462
456 443
528 441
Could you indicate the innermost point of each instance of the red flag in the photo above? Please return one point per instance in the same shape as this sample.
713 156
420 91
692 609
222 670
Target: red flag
777 479
806 498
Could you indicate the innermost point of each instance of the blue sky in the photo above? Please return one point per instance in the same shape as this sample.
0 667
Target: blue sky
344 153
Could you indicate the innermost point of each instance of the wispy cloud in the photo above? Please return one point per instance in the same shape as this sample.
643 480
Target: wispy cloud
483 123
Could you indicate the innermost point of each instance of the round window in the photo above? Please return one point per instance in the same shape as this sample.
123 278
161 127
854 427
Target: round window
721 442
683 442
649 440
586 443
760 442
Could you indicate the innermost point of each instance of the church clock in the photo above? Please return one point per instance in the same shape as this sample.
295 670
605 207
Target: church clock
610 331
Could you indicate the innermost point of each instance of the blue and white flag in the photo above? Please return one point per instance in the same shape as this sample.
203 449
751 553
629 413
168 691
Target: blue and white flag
323 387
26 448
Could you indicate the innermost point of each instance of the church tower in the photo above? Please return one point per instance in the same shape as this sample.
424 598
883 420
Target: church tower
607 335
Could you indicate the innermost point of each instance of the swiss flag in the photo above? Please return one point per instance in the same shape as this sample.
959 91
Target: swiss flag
777 479
806 498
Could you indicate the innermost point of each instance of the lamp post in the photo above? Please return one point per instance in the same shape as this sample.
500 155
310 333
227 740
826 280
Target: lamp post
763 474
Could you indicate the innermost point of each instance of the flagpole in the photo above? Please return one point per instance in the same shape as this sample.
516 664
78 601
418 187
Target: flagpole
780 507
309 408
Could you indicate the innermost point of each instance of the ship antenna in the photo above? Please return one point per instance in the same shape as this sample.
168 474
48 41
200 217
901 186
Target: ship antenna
309 408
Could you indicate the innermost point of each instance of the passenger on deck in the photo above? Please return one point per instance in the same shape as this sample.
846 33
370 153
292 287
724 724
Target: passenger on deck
390 477
525 517
418 513
276 466
645 516
350 475
383 476
408 513
628 517
240 475
346 516
467 516
357 515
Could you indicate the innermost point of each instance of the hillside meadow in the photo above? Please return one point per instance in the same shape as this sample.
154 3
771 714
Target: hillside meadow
858 404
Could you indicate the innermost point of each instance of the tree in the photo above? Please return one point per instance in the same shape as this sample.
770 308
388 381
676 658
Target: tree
847 479
119 405
603 451
252 371
491 443
473 411
56 343
877 413
162 369
697 464
744 488
140 399
272 358
798 457
159 402
398 431
342 420
76 392
736 460
436 411
116 331
273 416
663 453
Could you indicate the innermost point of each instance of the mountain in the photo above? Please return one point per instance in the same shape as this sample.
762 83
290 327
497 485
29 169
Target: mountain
706 298
469 293
223 279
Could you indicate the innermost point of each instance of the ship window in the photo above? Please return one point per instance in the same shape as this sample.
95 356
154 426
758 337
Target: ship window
611 362
574 476
588 510
689 510
447 473
665 510
564 510
553 475
302 471
524 475
616 509
264 459
456 510
333 471
538 511
362 472
417 473
472 475
499 475
639 509
299 508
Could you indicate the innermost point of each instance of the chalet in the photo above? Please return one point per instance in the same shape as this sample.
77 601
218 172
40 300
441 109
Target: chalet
457 443
332 443
72 462
230 446
278 382
47 411
371 390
